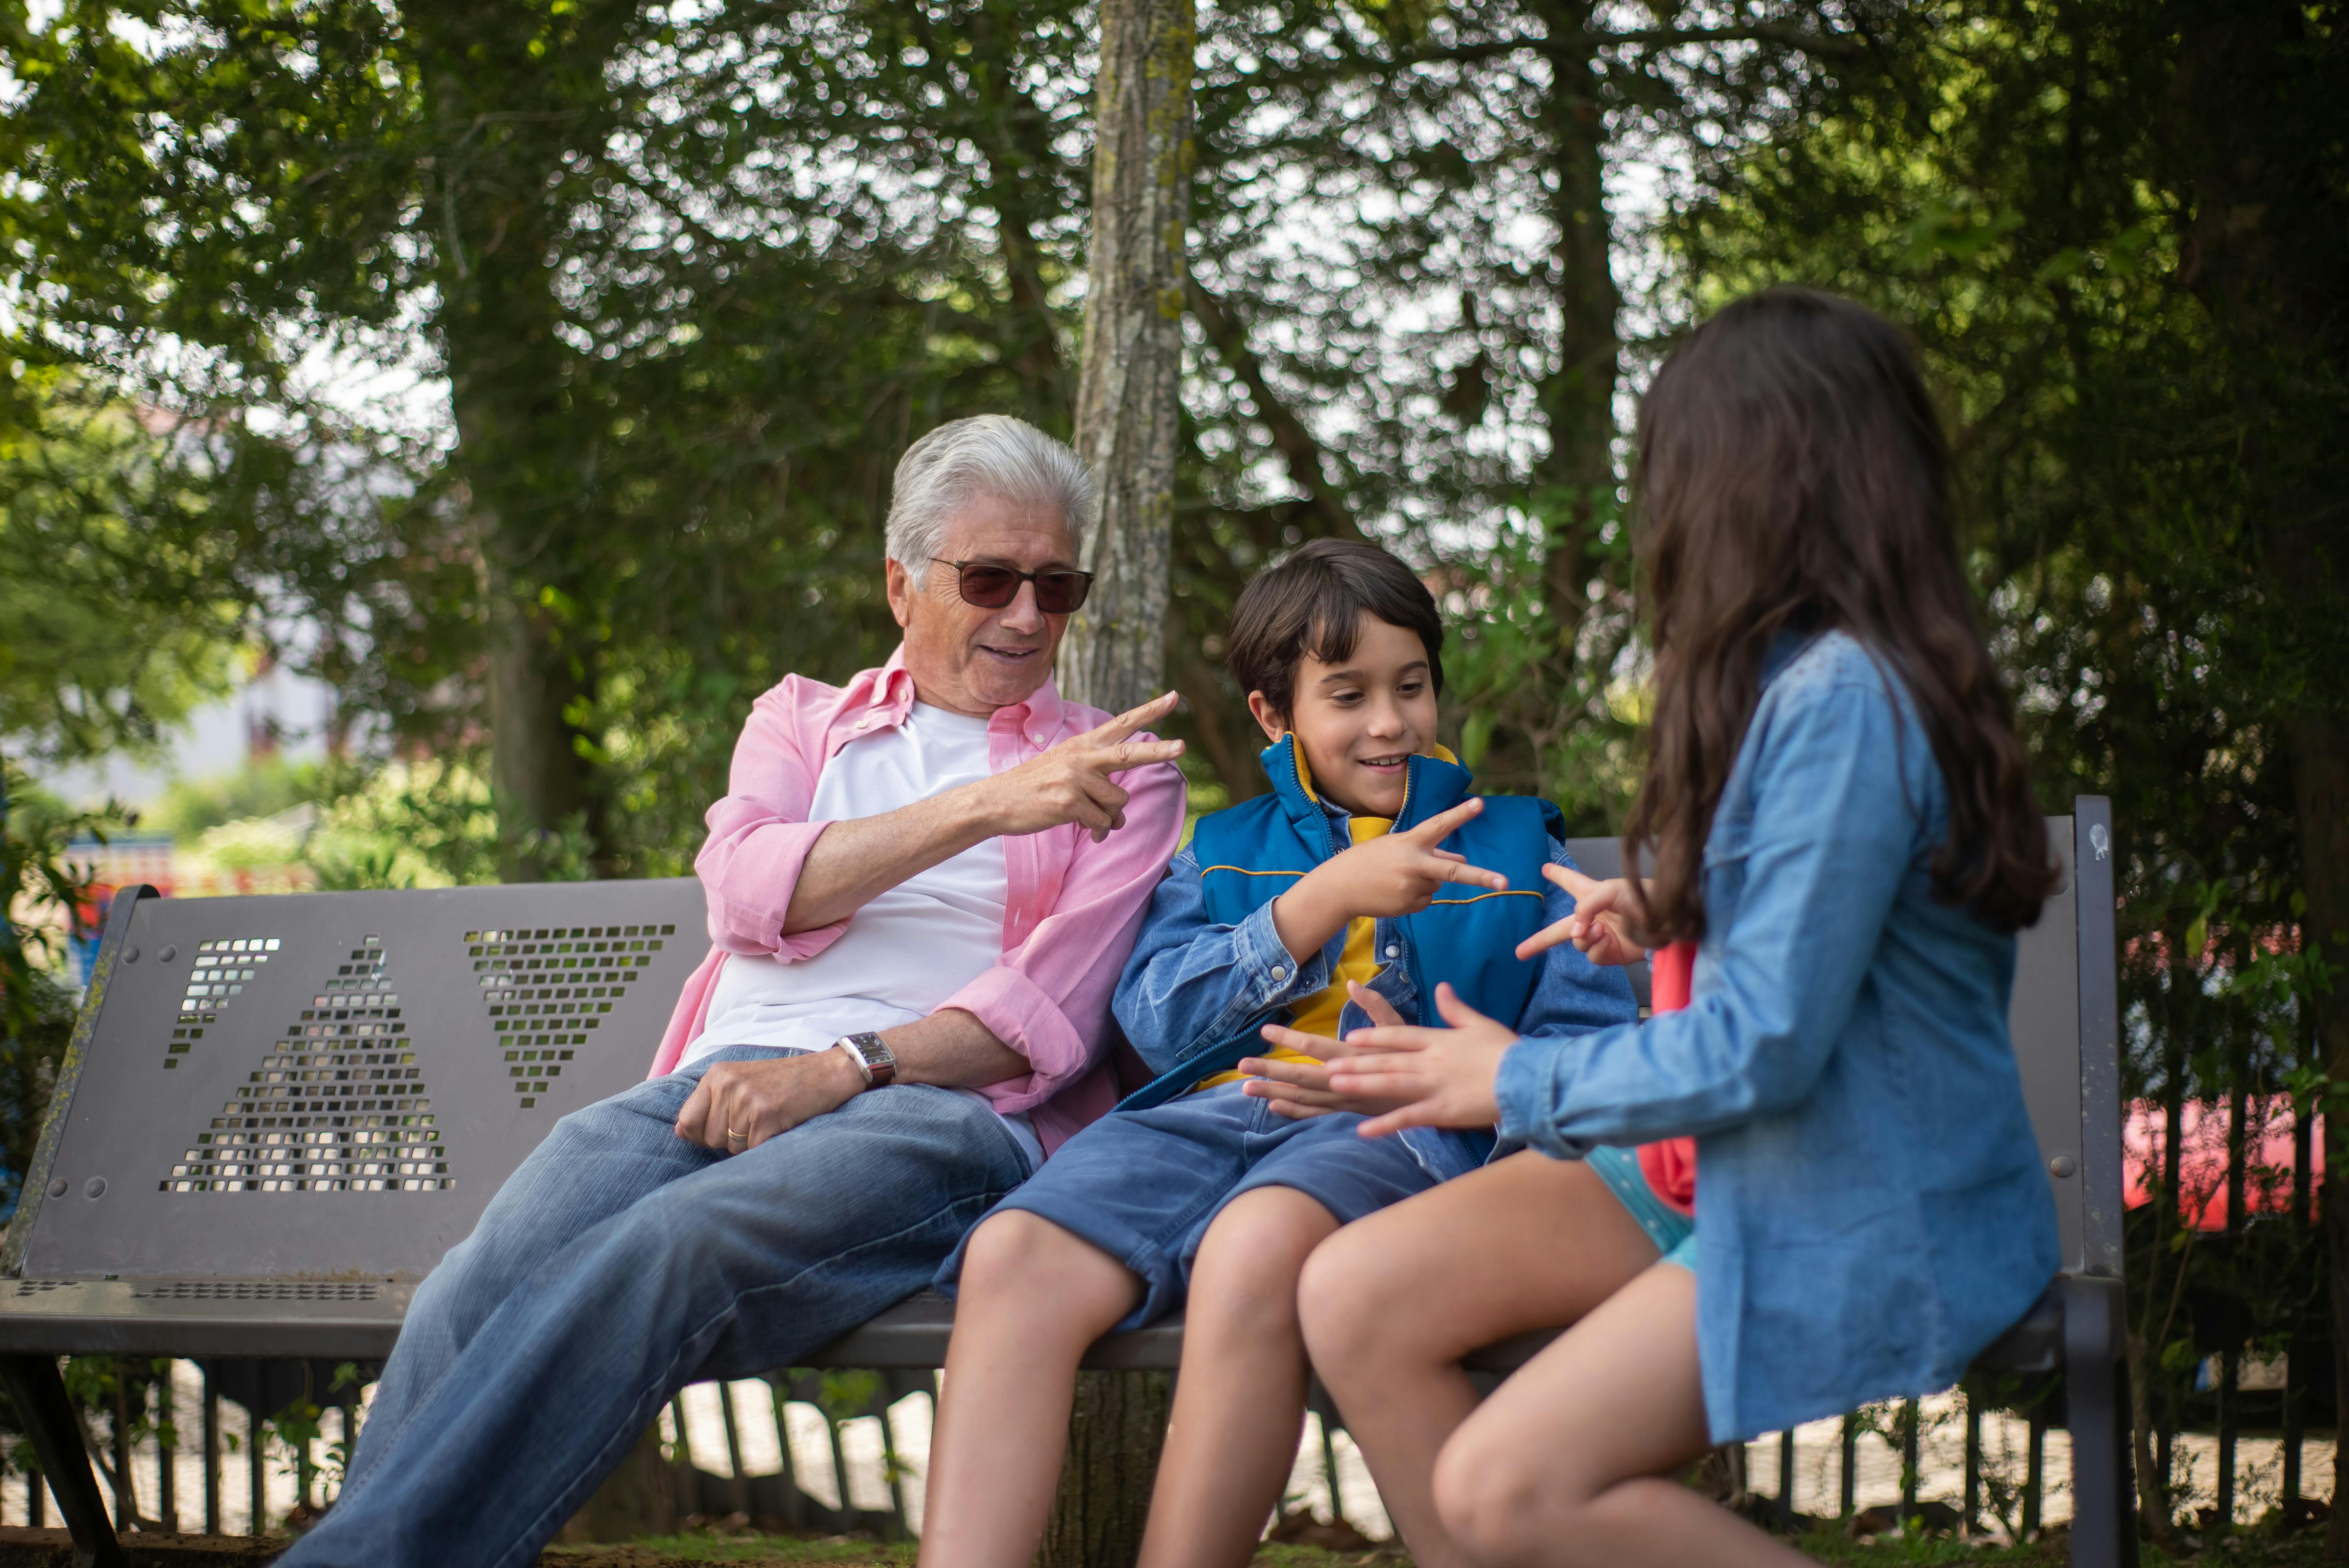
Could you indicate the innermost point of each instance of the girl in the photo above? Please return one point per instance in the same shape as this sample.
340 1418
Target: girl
1838 817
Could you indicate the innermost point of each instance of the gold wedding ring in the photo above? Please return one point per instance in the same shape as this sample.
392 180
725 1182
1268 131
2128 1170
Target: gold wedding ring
734 1137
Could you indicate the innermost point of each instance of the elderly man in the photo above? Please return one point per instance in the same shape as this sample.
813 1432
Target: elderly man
922 886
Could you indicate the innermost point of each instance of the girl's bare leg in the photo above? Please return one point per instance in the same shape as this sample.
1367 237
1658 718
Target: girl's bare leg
1569 1462
1392 1302
1032 1298
1240 1400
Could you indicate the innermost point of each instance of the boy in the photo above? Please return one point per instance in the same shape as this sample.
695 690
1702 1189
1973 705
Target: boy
1368 875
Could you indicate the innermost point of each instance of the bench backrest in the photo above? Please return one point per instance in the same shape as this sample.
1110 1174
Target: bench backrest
330 1086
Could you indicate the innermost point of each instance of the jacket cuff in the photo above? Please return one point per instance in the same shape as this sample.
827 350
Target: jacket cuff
1526 1090
1263 975
1024 1017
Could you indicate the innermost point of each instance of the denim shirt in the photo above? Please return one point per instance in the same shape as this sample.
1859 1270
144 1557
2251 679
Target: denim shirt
1191 985
1870 1208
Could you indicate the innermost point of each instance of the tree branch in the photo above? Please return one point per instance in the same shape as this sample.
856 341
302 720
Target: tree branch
1576 44
1304 455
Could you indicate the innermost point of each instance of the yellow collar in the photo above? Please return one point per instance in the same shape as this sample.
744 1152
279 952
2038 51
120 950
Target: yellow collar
1305 769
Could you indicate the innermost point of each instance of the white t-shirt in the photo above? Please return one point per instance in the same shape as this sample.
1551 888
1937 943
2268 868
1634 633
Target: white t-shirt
909 949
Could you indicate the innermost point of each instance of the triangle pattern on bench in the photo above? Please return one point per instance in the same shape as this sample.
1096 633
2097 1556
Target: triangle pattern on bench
221 969
337 1105
547 987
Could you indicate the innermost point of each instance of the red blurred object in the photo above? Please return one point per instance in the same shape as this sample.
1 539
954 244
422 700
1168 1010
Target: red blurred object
2268 1158
1669 1165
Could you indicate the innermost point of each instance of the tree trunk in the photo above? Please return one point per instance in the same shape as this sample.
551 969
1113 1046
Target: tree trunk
1575 480
505 378
1115 1429
1129 426
1129 392
511 96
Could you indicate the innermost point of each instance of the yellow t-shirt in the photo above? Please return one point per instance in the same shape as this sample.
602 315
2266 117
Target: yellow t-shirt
1359 961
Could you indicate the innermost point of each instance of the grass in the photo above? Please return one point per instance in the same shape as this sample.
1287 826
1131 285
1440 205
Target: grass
2253 1548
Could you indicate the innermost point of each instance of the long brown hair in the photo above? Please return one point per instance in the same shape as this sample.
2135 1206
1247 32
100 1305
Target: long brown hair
1793 476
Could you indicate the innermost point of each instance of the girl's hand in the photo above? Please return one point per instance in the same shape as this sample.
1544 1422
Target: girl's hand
1442 1078
1299 1089
1601 925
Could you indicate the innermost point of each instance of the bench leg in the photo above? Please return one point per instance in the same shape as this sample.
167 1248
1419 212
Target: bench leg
39 1395
2104 1523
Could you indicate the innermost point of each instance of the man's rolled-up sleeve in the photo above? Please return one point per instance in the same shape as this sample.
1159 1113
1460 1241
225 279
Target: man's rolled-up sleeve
760 837
1049 999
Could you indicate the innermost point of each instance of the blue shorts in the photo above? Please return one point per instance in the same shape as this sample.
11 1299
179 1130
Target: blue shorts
1143 1185
1673 1232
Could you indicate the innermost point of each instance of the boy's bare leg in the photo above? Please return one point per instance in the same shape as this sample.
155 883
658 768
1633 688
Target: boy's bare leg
1569 1463
1392 1302
1240 1400
1032 1298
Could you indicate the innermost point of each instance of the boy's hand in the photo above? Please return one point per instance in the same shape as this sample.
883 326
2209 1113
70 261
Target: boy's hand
1399 873
1299 1089
1443 1077
1601 925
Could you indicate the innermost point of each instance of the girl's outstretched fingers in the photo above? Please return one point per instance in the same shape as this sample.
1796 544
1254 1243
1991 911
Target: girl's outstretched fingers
1601 925
1443 1076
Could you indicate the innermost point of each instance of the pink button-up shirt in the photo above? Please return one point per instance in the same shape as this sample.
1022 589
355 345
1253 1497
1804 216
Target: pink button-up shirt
1071 911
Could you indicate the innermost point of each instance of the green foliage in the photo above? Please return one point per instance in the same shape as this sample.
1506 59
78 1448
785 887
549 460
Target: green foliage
40 893
114 614
423 823
262 788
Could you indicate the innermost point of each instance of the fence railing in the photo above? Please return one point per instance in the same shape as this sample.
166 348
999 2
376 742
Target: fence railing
845 1452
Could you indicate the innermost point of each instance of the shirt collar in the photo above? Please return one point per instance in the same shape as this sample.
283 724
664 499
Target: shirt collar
893 692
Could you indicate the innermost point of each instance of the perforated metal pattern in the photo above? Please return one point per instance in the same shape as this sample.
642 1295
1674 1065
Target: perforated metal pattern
222 967
306 1068
548 985
338 1104
254 1290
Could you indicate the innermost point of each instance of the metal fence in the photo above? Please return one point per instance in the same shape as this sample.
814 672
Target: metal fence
847 1451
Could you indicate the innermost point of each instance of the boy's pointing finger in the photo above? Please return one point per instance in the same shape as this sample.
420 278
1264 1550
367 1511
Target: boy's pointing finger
1470 876
1441 826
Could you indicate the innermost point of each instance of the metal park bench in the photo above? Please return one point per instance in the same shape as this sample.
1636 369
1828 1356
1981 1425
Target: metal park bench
278 1113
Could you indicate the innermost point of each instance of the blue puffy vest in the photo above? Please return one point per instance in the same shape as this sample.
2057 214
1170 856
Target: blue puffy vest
1253 852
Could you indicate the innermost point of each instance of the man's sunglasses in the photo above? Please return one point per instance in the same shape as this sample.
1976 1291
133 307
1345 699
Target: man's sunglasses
1059 591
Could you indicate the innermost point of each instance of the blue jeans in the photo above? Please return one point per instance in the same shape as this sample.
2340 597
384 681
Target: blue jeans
621 1262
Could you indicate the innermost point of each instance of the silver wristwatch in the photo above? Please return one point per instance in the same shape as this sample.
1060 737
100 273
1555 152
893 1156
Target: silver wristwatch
872 1058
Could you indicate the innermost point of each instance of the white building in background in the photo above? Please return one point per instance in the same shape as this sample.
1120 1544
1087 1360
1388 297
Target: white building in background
273 711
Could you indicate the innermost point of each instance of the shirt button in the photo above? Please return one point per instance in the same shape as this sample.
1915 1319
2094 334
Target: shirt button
1279 973
864 723
1036 738
1393 951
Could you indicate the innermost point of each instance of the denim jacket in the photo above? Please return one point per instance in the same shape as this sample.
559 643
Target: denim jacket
1191 985
1870 1208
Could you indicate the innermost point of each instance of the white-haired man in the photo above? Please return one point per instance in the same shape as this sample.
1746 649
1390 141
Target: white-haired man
922 886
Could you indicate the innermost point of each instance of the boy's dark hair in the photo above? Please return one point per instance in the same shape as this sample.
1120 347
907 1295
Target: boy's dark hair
1312 602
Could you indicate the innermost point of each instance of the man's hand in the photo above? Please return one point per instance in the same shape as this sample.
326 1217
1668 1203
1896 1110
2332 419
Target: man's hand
1071 783
1601 925
1299 1089
858 859
1442 1077
741 1105
1399 873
